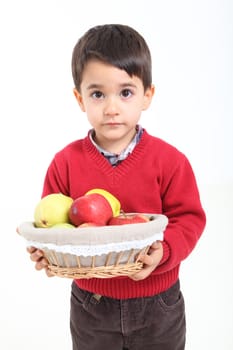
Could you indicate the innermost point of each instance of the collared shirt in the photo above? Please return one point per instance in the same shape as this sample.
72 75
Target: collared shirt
114 158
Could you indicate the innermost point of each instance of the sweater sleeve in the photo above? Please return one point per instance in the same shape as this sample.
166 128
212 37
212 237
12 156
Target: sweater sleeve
56 178
181 204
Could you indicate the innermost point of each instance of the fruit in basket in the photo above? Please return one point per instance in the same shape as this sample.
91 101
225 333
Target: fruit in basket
92 207
128 218
52 209
113 201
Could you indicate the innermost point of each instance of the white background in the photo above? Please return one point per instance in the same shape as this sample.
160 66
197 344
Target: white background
191 46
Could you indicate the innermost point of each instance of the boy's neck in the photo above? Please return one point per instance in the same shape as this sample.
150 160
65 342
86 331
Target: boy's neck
114 147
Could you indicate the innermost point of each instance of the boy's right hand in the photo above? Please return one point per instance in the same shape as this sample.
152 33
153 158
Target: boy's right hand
37 256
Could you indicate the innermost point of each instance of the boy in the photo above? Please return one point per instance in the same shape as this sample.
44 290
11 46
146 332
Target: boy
111 66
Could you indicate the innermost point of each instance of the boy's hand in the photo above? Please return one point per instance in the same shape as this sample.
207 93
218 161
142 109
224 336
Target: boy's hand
37 256
150 260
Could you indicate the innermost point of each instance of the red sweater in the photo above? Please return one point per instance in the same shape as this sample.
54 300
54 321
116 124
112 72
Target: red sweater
154 178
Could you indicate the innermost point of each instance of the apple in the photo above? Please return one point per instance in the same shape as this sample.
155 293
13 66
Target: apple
124 219
113 201
52 209
91 207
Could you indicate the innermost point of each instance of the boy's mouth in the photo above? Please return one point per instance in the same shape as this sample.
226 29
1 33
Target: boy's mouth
113 124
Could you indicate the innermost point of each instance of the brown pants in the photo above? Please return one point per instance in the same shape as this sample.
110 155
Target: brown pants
151 323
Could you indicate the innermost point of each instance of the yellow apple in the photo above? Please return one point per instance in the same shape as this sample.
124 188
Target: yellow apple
52 209
113 201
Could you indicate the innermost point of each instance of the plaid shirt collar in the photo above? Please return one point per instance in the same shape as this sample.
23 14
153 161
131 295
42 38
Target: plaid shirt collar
114 158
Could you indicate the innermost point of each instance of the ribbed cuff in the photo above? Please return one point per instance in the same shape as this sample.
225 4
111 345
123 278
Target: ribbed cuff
166 252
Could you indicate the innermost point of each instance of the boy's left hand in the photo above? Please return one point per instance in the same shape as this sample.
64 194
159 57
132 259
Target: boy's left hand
150 260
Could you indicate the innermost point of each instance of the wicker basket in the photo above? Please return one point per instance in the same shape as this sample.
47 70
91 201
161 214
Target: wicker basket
100 252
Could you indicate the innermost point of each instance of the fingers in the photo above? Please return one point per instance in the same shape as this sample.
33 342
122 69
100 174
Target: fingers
156 245
37 256
49 273
41 264
31 249
146 259
150 261
141 275
153 255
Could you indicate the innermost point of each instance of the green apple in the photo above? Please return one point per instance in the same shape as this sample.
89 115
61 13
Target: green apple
52 209
113 201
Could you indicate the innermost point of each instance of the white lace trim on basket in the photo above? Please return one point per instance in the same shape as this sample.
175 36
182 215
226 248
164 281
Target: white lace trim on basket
87 250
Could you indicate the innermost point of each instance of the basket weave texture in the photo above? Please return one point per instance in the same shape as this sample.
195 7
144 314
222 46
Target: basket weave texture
100 252
113 265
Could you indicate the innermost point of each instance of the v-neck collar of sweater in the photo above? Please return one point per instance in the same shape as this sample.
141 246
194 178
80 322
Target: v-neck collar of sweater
133 159
113 158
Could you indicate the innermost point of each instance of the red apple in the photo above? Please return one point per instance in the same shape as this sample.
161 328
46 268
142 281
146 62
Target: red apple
90 208
125 218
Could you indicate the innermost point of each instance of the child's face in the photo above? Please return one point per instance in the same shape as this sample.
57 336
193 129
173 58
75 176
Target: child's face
113 102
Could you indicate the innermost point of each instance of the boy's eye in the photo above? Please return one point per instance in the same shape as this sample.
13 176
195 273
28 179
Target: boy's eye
126 93
97 94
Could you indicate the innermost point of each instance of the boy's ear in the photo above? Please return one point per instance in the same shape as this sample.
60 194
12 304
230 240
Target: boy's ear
149 93
79 98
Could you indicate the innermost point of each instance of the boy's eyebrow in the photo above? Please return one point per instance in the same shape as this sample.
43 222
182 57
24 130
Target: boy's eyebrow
94 86
100 86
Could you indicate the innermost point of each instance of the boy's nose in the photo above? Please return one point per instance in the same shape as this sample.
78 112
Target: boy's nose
110 108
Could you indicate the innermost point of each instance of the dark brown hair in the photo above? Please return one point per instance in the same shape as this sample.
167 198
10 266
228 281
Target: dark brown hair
115 44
